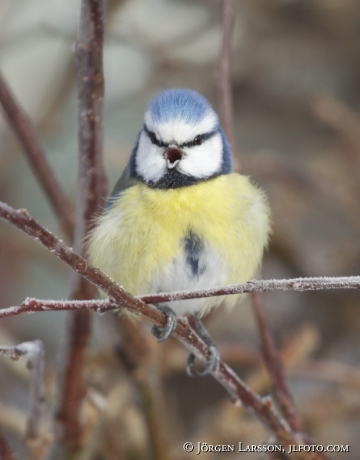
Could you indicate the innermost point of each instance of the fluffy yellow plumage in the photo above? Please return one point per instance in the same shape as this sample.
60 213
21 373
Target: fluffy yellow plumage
141 241
179 218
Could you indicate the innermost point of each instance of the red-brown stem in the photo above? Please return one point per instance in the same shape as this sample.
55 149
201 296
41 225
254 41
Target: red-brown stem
295 284
275 367
91 194
27 136
262 408
271 355
224 76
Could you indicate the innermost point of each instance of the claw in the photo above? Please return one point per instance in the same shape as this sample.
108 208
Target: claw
190 364
163 333
214 354
211 363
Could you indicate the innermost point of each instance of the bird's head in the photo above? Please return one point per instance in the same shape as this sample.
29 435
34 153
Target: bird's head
181 142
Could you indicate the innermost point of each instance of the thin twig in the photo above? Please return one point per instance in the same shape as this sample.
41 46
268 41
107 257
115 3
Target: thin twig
89 54
10 352
34 305
275 366
37 391
27 136
261 407
34 353
271 355
31 305
91 193
224 77
294 352
293 284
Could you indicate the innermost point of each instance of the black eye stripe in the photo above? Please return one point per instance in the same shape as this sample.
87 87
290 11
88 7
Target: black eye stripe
154 139
198 140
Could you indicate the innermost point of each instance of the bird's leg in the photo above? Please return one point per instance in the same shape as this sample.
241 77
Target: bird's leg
214 354
163 333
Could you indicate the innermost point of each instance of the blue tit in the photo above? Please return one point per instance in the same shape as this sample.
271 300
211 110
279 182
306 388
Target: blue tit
179 218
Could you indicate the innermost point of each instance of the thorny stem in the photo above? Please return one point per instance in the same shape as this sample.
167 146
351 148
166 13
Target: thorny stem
91 193
26 134
261 407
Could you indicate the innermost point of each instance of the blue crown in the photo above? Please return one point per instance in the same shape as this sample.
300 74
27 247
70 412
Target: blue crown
179 104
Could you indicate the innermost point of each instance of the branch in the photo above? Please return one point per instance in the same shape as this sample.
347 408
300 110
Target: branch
91 192
224 79
271 355
34 305
294 352
261 407
102 306
275 366
93 184
34 353
27 136
293 284
35 364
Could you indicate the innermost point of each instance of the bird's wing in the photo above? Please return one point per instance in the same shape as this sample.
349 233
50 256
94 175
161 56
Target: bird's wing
125 182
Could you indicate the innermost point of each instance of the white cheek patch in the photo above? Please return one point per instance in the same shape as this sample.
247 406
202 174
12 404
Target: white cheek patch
199 161
150 161
203 160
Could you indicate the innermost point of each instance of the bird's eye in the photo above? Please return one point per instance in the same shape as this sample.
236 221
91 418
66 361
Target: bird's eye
155 140
198 140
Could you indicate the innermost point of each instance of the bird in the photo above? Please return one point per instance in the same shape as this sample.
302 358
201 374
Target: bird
179 217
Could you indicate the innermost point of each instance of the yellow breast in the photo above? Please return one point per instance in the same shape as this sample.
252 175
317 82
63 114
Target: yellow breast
138 240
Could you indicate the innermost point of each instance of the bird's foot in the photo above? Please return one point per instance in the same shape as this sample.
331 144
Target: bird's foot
213 359
163 333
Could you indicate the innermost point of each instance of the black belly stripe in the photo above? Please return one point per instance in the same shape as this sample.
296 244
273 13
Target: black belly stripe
194 247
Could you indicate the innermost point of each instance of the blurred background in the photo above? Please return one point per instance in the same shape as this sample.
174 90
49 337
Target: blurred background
296 80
